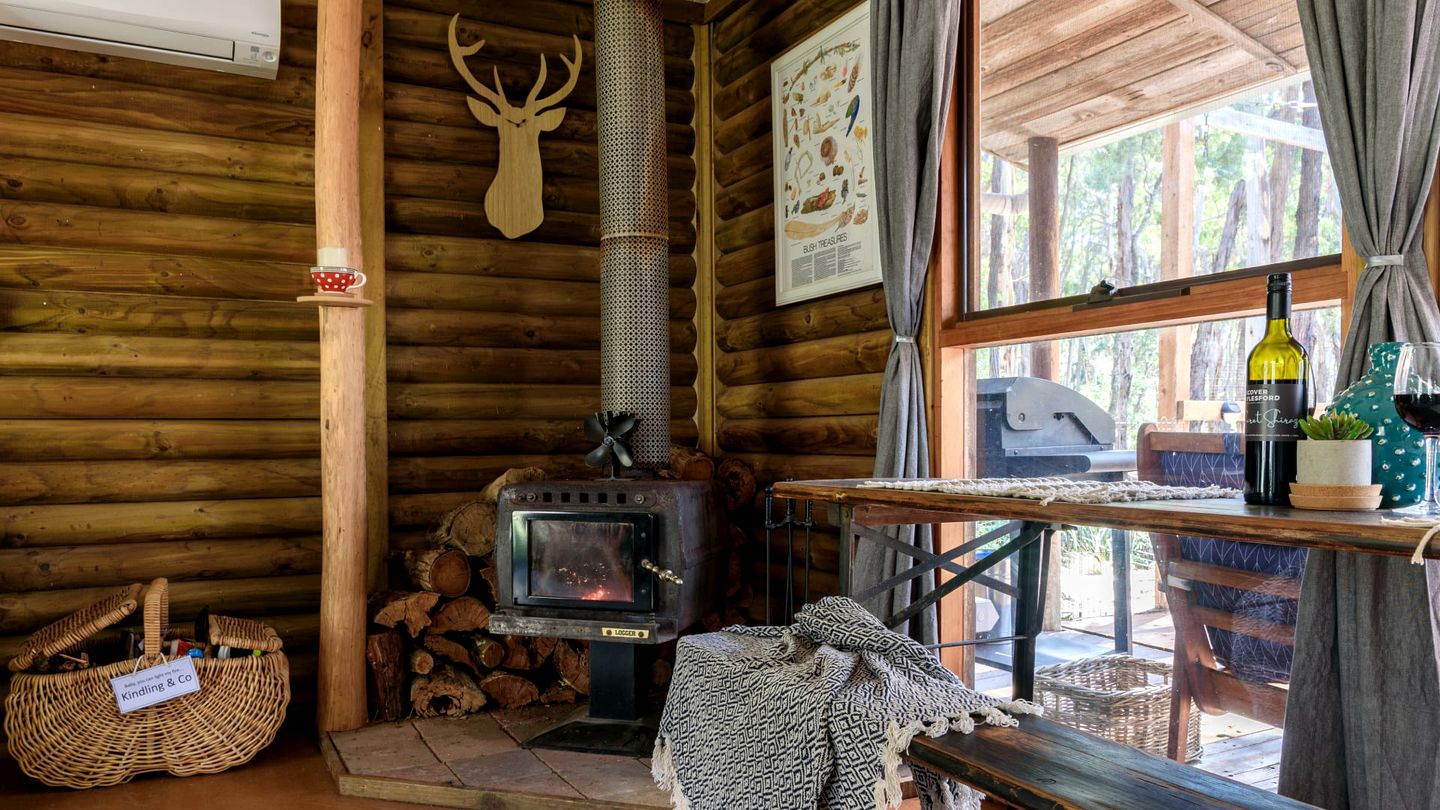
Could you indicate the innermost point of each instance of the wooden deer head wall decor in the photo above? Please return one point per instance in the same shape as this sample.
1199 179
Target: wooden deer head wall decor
513 202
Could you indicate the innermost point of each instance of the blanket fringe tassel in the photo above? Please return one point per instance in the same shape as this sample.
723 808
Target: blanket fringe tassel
662 770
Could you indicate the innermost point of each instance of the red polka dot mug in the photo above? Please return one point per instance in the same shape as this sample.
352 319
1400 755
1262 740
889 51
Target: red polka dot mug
336 279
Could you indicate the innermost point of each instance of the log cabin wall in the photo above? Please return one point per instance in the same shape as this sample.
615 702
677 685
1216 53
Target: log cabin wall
493 343
158 383
797 387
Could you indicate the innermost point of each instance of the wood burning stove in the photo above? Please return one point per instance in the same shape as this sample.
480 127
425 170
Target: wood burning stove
626 564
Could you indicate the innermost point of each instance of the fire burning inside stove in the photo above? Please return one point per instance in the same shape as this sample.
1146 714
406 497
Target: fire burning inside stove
583 560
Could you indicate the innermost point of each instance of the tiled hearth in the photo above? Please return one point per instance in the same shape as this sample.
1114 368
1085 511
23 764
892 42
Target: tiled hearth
478 761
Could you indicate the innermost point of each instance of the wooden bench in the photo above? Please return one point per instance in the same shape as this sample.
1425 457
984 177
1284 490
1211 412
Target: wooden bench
1042 765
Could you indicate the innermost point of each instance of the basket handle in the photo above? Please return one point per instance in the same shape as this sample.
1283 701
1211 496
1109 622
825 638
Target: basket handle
157 616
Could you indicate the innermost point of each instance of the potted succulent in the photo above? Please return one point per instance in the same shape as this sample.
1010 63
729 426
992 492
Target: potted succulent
1335 452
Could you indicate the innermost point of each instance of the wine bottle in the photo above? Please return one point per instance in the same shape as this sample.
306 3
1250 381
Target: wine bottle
1275 400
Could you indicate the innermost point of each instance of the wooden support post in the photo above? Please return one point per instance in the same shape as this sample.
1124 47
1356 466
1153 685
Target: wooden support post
372 247
1044 244
341 676
1177 258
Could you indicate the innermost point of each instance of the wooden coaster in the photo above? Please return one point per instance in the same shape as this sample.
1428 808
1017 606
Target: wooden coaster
1333 504
1335 490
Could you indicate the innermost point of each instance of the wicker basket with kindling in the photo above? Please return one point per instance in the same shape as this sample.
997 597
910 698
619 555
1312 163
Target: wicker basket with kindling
1119 697
65 729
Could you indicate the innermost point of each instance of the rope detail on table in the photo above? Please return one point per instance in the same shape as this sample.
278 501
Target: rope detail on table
1047 490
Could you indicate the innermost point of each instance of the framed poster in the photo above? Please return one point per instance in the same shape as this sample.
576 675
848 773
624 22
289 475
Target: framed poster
826 236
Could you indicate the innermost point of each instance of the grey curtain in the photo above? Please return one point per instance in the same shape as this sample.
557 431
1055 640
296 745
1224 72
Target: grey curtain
1362 724
913 51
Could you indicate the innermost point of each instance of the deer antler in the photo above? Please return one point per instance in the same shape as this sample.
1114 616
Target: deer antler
458 54
554 98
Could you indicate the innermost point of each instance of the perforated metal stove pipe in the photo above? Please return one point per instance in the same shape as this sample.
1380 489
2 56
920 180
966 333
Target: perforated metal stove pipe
634 234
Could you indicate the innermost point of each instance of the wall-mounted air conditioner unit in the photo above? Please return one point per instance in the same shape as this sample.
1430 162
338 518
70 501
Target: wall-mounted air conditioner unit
233 36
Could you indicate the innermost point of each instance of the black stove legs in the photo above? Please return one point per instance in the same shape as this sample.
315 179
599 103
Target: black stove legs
616 721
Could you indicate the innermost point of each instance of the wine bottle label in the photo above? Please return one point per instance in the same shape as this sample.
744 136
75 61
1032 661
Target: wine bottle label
1273 410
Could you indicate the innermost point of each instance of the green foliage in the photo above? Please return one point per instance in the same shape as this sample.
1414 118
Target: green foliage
1335 427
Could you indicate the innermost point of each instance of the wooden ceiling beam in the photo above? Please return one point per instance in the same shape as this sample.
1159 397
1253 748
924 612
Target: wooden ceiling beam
1233 34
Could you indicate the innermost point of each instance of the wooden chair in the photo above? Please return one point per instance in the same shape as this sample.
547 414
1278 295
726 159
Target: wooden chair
1233 604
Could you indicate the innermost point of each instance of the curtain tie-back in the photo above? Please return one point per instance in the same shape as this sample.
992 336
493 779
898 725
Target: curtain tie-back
904 339
1388 260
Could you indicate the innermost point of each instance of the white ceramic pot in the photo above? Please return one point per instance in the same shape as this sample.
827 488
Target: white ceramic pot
1333 463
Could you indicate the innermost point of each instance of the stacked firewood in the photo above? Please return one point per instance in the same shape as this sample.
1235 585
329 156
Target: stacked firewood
435 653
431 651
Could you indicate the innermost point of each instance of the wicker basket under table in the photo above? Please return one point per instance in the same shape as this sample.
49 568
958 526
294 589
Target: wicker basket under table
65 730
1119 697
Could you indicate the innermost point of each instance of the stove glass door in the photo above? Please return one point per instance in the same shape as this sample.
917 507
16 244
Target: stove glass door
583 559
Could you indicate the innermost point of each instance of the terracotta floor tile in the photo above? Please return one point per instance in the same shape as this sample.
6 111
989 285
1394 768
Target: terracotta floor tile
456 738
499 770
382 748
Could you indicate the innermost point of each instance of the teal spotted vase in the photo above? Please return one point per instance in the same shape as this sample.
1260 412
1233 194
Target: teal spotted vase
1399 450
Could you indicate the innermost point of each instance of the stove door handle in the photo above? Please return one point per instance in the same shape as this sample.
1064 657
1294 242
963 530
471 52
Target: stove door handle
663 573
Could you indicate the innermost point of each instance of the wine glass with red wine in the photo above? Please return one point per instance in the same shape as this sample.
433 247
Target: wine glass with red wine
1417 399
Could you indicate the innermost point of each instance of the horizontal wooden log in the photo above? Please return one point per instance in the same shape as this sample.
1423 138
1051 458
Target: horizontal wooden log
832 396
477 364
453 218
775 37
743 161
750 124
482 293
51 225
119 439
452 255
845 314
470 183
742 91
293 85
830 357
823 435
86 313
743 20
151 273
107 101
130 356
122 481
745 230
751 194
543 16
478 145
52 137
771 467
745 299
507 401
96 565
491 437
81 524
426 509
112 398
746 264
25 611
455 327
53 181
444 474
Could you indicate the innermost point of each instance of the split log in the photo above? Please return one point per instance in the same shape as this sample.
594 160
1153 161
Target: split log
737 481
450 651
517 653
509 690
421 662
445 571
487 651
446 692
469 527
460 615
385 653
689 464
515 475
540 649
558 692
573 663
489 576
411 608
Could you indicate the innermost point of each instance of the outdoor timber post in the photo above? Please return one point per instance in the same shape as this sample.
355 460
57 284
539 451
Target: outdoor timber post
1044 245
341 678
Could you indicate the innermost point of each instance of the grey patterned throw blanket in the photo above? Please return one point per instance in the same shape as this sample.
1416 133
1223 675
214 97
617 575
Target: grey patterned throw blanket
815 715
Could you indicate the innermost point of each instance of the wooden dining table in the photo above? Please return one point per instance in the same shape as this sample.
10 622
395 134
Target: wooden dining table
863 511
